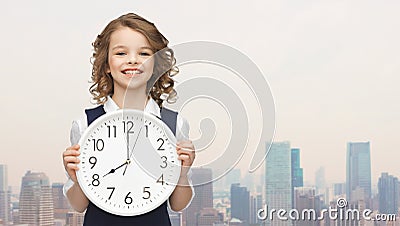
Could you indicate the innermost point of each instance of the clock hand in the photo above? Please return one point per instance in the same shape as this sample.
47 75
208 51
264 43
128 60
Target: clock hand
123 174
113 170
127 146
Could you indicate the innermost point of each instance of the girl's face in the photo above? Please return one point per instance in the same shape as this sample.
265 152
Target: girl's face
129 59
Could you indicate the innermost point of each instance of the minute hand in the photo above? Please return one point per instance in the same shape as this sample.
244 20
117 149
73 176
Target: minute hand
135 142
127 146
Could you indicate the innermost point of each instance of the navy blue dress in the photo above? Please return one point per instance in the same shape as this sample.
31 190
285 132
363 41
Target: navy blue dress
95 216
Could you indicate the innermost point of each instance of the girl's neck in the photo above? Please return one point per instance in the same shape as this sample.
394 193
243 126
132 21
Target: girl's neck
130 99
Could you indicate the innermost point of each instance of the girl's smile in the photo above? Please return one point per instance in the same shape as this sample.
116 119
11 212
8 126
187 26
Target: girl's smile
131 72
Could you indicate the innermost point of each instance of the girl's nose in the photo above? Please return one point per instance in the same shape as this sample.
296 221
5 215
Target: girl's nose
132 60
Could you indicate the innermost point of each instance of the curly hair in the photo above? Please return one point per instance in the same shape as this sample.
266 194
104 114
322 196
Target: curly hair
160 85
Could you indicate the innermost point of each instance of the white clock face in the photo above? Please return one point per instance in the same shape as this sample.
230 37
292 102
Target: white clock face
129 163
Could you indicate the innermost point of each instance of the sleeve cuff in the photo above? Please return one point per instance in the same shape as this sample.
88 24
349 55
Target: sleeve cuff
67 186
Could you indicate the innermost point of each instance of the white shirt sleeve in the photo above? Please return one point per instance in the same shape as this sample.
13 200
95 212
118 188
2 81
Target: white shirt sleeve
182 128
77 128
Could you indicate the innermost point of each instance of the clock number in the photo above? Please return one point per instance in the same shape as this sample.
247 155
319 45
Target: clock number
109 131
128 199
98 144
145 191
113 188
93 161
128 125
162 142
147 130
161 179
95 181
164 159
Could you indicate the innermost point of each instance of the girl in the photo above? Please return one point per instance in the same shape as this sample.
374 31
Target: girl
125 75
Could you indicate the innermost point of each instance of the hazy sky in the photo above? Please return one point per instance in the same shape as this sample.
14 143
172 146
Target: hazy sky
333 67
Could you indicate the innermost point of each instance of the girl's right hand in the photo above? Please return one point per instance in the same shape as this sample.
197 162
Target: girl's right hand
71 161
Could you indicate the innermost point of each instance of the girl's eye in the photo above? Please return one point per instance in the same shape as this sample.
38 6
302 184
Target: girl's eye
120 53
145 54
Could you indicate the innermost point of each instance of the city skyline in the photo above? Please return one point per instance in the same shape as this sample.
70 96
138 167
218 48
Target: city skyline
305 197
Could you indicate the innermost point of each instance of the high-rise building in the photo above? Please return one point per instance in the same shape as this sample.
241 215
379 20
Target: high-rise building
388 187
60 202
339 189
278 180
3 178
209 217
320 181
4 196
201 179
75 218
297 171
255 205
308 204
358 171
36 200
240 203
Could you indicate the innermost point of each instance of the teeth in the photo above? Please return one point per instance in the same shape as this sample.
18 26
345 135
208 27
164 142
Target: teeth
132 72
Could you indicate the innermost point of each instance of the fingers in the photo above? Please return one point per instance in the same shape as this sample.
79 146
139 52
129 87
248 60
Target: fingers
72 166
70 155
186 153
71 161
72 148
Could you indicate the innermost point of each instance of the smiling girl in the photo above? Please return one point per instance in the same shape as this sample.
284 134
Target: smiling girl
132 68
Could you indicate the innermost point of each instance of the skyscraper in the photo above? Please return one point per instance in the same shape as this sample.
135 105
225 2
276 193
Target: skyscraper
358 171
4 195
305 199
75 218
388 188
339 189
203 195
240 203
297 172
209 217
320 181
255 205
60 202
278 180
36 201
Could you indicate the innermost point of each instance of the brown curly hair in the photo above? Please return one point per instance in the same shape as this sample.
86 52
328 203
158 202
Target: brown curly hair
160 85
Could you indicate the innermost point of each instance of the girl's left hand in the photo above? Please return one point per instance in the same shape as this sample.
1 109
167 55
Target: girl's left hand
186 153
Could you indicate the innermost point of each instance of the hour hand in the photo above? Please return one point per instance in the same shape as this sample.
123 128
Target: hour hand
113 170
